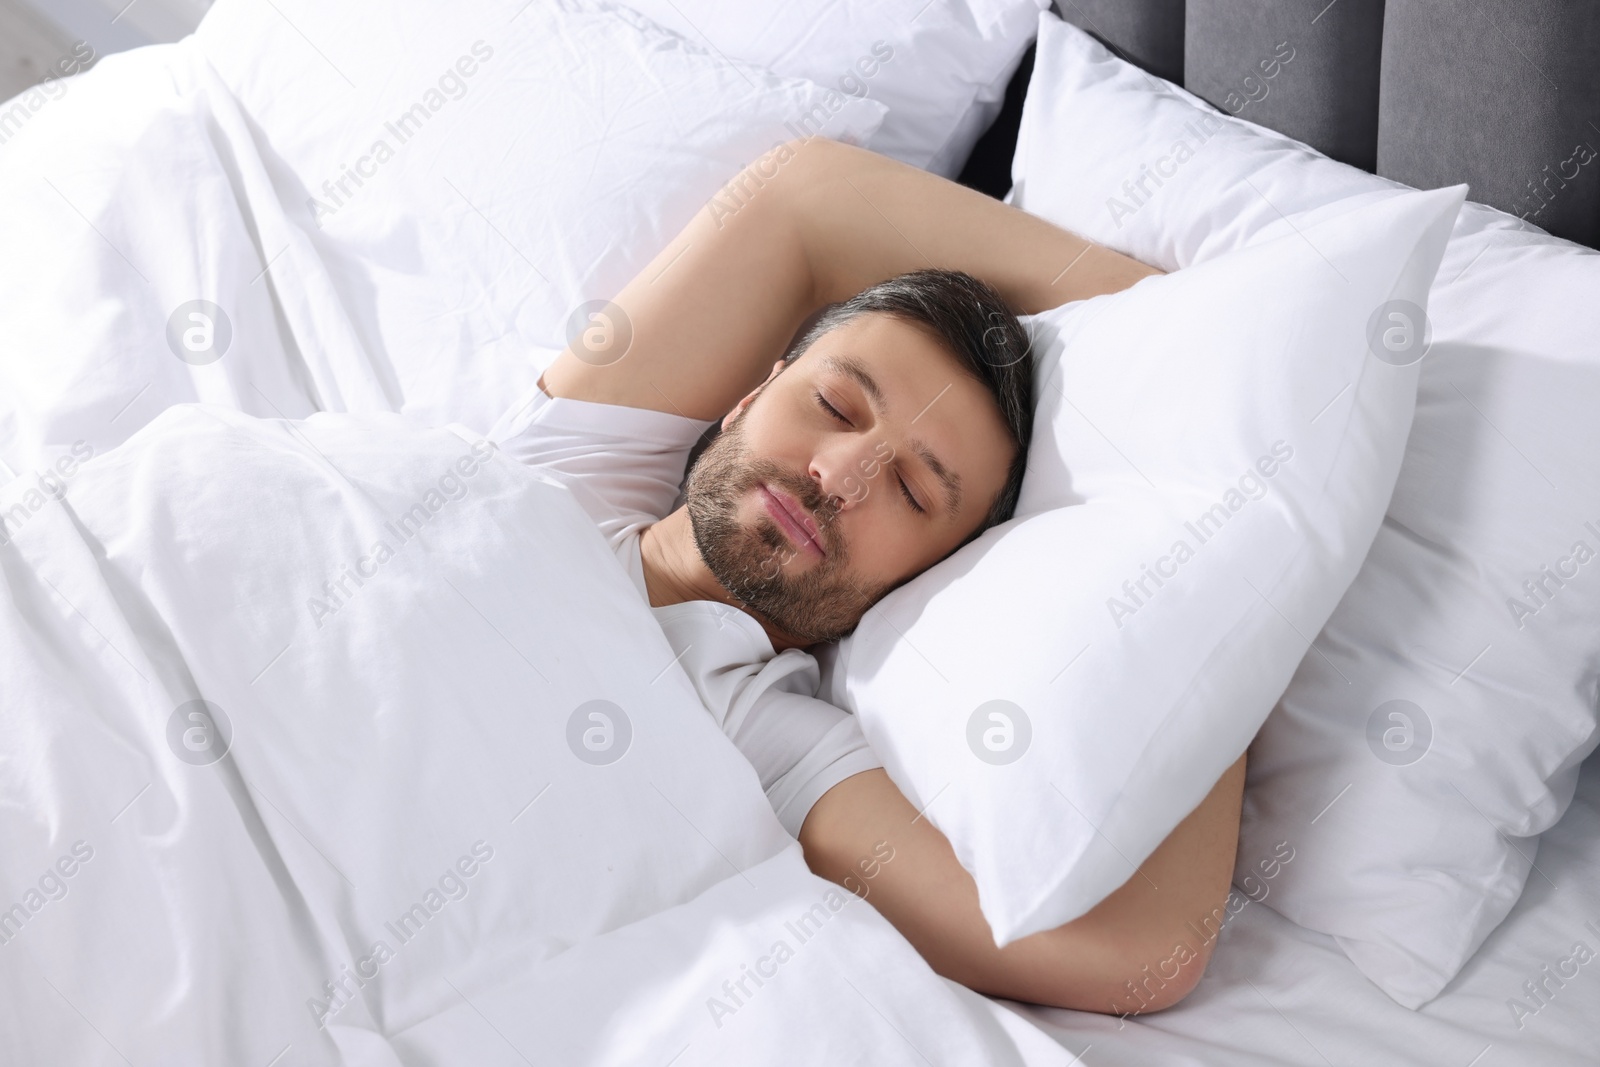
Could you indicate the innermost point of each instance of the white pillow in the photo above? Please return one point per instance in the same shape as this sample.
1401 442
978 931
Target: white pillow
1438 650
941 66
566 144
1212 455
1169 179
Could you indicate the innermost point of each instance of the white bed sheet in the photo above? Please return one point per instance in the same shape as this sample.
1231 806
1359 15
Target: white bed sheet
1279 995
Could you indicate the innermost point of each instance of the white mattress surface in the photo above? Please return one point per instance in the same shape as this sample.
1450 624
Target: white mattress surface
1278 995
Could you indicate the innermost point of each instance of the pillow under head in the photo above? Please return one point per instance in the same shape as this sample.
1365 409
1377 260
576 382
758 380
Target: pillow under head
1212 454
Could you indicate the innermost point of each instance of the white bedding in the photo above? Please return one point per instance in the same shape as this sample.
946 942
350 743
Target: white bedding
303 774
403 760
207 905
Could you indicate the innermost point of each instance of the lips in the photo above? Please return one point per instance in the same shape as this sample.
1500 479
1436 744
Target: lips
793 518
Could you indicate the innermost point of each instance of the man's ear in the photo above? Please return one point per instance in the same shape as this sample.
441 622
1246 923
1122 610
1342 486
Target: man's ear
738 409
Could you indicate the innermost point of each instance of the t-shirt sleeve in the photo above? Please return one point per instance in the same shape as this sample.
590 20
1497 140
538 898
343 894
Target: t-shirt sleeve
800 746
839 753
623 465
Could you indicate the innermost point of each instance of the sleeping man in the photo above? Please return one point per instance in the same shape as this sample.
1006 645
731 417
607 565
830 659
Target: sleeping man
893 431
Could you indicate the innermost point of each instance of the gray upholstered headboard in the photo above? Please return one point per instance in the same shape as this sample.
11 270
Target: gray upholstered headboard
1501 94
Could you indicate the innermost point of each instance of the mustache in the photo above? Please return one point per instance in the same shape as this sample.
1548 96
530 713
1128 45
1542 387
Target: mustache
822 509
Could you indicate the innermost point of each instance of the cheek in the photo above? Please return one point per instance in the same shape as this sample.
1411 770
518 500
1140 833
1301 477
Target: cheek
764 437
885 544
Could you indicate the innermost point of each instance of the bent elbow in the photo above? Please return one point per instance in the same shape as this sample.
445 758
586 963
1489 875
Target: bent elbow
1158 979
1109 978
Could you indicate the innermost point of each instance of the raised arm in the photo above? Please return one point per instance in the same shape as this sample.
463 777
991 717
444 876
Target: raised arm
810 223
1141 949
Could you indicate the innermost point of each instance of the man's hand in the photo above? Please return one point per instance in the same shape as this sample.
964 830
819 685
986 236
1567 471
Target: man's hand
811 223
1122 957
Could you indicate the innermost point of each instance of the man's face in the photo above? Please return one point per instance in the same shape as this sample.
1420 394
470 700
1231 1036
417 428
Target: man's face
870 507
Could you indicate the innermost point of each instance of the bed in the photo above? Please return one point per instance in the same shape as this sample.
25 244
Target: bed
324 247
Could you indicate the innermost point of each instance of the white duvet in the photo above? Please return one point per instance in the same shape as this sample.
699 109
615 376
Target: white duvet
350 739
329 738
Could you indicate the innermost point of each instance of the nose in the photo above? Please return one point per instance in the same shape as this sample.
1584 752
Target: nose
840 469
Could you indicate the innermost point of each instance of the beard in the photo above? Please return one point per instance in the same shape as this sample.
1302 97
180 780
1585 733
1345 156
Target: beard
823 603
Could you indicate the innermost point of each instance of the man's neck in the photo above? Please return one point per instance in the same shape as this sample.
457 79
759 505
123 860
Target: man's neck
675 573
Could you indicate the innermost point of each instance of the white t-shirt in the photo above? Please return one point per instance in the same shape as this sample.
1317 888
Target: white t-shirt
625 467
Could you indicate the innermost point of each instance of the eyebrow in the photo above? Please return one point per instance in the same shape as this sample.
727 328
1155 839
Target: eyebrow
949 479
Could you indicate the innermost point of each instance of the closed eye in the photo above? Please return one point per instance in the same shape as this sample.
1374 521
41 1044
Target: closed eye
829 408
909 498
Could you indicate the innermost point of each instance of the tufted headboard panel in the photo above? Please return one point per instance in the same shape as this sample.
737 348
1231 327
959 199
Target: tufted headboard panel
1501 94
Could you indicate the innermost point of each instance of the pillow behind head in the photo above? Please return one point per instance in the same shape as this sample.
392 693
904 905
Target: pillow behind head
939 66
1212 453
